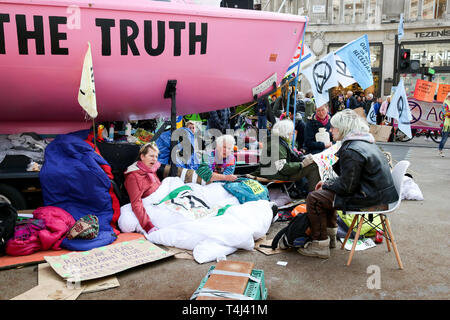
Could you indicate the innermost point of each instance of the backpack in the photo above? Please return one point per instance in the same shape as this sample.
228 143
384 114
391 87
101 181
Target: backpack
8 217
295 234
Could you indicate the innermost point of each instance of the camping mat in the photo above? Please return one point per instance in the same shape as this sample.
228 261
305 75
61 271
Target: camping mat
8 262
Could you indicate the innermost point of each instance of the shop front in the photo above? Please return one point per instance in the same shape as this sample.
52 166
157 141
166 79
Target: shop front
434 58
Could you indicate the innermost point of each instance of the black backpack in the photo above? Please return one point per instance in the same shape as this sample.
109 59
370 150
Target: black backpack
8 217
295 234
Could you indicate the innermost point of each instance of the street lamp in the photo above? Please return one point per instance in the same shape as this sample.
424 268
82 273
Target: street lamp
423 62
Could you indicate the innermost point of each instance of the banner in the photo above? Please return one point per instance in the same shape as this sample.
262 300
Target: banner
104 261
306 59
86 94
399 109
425 90
322 76
343 73
356 56
443 90
425 115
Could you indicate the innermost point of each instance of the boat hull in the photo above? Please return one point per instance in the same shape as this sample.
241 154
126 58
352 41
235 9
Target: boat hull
217 55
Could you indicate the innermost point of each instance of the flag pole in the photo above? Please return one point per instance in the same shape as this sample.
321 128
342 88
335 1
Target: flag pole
296 82
93 126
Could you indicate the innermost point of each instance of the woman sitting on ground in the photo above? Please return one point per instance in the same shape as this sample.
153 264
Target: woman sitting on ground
220 164
320 119
141 181
364 180
287 165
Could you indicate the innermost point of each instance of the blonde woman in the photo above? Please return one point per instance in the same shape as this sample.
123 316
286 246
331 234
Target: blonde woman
364 180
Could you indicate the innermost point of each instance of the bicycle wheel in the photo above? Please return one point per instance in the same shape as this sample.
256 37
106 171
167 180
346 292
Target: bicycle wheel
436 136
400 136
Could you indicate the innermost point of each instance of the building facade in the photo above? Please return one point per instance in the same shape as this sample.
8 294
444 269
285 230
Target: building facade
334 23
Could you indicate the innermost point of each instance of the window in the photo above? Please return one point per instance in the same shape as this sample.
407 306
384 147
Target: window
359 11
348 11
414 10
428 9
441 8
372 12
336 11
440 51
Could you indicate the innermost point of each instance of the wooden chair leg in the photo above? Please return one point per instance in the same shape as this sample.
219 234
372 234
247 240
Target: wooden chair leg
350 229
355 240
386 236
394 245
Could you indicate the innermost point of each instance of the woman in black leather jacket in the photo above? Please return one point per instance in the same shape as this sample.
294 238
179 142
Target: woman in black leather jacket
364 180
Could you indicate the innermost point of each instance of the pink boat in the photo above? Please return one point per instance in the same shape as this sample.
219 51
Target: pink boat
217 55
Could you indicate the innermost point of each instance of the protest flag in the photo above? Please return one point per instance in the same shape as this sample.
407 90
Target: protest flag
343 73
399 109
322 76
356 56
371 116
86 93
307 57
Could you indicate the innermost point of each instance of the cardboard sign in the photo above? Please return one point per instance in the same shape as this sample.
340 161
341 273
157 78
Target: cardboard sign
380 133
360 111
107 260
325 161
443 90
425 90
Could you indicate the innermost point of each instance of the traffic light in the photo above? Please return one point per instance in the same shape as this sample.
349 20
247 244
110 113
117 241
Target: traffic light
404 61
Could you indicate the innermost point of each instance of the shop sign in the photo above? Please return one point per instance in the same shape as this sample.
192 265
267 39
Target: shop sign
433 34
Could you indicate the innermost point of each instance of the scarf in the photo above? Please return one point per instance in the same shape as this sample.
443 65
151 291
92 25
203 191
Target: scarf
151 172
365 136
218 167
323 121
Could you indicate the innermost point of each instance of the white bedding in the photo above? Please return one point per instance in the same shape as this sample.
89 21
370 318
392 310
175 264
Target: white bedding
209 237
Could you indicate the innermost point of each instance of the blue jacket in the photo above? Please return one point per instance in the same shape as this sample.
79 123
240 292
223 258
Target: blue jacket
163 143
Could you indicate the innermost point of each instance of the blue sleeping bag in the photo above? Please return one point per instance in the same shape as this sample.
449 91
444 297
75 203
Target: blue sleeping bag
72 179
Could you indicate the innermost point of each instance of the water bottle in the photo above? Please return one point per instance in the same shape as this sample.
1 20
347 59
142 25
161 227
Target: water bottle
323 136
111 132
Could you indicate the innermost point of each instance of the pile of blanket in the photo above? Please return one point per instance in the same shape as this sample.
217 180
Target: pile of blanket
221 227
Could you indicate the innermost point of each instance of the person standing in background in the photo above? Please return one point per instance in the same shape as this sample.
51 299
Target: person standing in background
446 125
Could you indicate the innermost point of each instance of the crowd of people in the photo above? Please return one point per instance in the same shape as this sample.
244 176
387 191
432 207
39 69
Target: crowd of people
362 166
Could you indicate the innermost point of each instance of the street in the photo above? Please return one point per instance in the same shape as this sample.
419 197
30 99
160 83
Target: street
420 228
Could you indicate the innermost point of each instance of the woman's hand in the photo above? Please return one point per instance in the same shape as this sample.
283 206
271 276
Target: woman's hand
329 144
319 185
230 177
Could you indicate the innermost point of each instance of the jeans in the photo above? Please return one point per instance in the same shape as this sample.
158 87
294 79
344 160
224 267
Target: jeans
444 140
262 122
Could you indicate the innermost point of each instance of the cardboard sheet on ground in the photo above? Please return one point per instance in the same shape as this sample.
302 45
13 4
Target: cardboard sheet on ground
267 251
107 260
47 274
50 291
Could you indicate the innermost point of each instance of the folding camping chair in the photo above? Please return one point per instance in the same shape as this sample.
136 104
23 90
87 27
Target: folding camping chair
398 173
286 185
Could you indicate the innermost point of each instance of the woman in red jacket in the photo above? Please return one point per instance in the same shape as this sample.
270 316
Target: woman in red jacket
141 181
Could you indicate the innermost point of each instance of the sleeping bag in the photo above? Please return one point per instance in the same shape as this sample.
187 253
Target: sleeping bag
73 178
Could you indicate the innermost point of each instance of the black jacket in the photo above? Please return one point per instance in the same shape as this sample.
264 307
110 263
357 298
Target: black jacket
311 128
353 103
365 178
